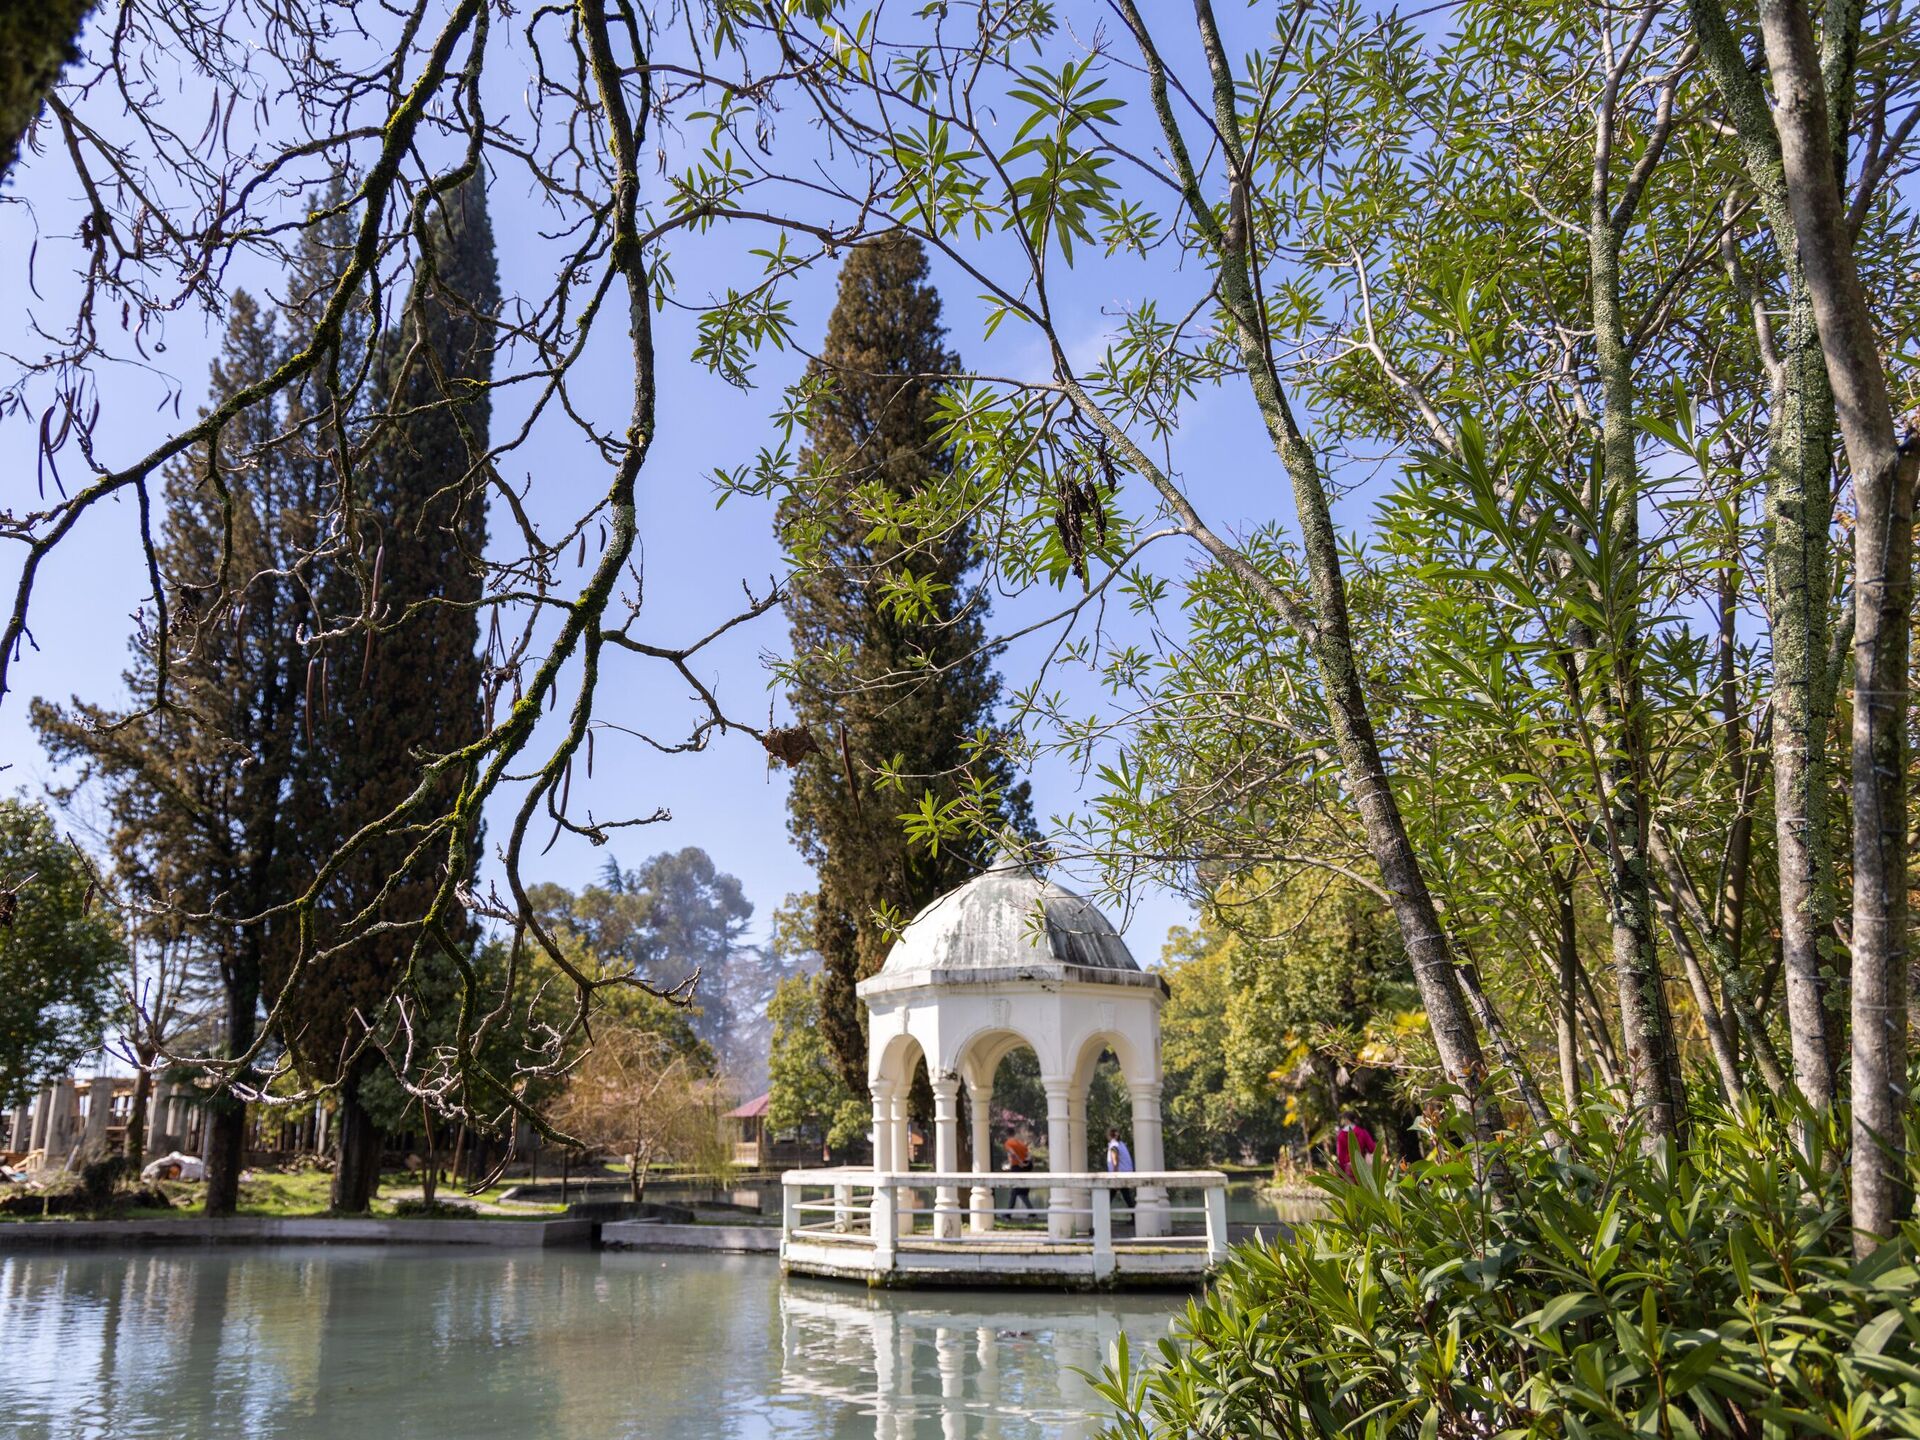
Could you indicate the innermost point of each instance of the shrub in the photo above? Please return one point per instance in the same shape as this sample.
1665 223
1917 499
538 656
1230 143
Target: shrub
1607 1289
422 1209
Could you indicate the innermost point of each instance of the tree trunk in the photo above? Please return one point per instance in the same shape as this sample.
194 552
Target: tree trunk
134 1147
356 1166
38 38
1646 1025
1739 852
1804 113
1798 561
1327 628
1567 1018
1799 567
226 1114
1719 1041
430 1168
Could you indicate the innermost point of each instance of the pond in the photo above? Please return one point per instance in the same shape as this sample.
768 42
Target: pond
358 1343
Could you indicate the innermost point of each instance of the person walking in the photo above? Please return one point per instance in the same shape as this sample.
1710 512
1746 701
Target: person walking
1119 1162
1351 1141
1019 1162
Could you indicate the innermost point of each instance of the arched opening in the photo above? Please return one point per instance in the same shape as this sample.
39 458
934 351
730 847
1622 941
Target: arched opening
901 1126
1109 1109
1003 1124
1115 1097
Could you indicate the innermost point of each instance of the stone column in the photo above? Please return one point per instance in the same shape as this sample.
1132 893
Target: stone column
158 1104
19 1129
62 1125
99 1113
980 1200
1150 1216
946 1155
1059 1157
42 1114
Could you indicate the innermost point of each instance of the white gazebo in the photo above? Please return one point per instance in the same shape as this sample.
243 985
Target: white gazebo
1008 959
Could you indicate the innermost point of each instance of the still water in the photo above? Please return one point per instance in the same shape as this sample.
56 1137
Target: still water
351 1343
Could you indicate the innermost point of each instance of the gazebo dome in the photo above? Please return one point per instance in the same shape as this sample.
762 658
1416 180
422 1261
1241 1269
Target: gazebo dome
1008 923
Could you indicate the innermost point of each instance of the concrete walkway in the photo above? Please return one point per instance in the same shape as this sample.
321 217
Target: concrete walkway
316 1230
661 1235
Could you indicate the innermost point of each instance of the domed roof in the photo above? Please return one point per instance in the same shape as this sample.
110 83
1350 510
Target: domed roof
1007 919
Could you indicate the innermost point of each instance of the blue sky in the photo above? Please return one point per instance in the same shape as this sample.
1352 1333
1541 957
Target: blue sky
697 556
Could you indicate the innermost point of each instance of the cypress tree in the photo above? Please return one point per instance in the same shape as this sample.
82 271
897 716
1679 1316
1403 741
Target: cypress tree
874 689
406 685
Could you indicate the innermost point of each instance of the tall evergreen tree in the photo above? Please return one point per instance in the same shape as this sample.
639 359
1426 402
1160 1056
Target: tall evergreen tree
882 694
197 786
405 684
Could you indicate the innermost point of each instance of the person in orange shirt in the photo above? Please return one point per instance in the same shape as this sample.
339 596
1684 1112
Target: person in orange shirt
1019 1161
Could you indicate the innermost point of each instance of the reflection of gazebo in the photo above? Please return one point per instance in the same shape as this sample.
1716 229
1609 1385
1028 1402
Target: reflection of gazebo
1010 960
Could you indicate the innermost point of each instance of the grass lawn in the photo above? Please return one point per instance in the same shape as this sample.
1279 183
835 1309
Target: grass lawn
305 1193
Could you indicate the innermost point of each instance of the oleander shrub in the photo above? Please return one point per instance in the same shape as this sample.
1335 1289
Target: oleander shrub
1607 1288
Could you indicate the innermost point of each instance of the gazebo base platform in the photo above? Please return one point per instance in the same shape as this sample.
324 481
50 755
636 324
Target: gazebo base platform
941 1230
934 1264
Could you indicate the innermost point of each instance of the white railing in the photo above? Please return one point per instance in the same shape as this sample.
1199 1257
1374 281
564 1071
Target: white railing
884 1214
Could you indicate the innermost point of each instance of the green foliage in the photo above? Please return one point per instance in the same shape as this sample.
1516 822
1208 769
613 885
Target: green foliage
1207 1118
1317 984
59 953
1611 1288
807 1091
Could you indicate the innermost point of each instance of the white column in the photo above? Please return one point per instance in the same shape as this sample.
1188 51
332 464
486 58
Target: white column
1216 1203
1059 1158
1077 1132
946 1155
1150 1216
885 1223
1102 1232
980 1201
900 1157
18 1127
882 1091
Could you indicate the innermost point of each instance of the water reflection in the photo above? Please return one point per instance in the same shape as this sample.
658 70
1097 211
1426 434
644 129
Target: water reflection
353 1344
952 1365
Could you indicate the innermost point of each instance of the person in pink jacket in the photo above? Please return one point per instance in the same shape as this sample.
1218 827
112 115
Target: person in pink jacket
1351 1141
